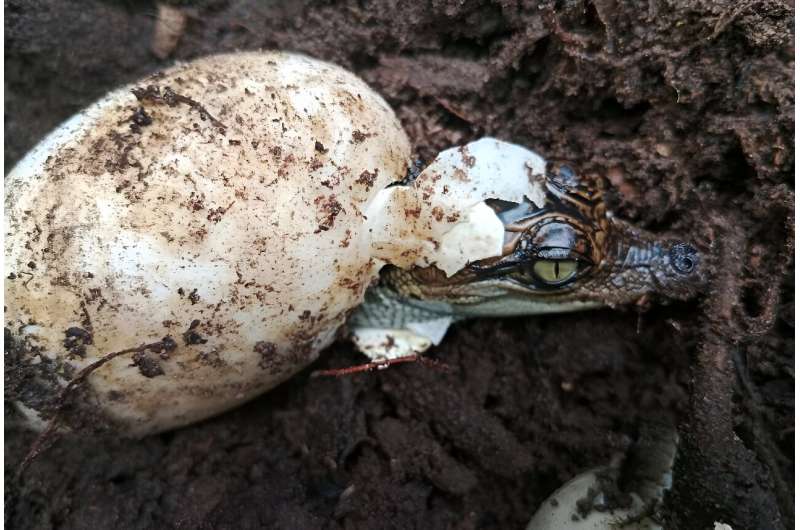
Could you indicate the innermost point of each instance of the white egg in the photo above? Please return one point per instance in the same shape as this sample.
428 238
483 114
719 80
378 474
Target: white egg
221 208
561 510
591 500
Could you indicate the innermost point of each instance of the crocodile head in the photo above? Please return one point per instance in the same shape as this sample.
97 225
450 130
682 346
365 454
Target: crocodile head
566 254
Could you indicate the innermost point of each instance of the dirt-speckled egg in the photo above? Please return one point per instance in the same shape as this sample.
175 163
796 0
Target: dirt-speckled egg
214 211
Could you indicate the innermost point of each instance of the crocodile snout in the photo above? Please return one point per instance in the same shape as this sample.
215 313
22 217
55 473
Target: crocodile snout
645 263
679 271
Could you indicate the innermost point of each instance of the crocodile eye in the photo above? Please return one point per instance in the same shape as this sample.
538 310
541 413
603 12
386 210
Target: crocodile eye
555 271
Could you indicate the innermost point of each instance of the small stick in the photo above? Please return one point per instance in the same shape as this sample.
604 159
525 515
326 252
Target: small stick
49 435
171 98
382 365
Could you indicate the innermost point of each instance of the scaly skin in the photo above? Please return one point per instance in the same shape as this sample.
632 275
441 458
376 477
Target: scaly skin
614 264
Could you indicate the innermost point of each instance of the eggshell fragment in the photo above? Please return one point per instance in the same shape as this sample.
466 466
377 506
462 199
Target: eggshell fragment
441 219
218 212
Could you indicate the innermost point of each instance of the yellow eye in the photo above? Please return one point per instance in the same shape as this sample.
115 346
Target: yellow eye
555 271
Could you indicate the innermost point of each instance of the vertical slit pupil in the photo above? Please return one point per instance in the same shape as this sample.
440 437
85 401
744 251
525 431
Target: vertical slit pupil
556 267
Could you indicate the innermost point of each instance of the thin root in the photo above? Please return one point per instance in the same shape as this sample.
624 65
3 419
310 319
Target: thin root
50 434
170 98
382 365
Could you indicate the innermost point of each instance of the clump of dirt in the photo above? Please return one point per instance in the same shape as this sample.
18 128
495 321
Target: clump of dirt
684 108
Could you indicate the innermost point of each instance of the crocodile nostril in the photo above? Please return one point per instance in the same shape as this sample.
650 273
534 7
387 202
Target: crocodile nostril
683 258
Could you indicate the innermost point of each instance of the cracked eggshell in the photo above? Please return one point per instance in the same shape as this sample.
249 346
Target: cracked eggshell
225 214
442 219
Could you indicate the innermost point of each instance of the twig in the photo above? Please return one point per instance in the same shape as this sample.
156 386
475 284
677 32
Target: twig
49 435
382 365
170 98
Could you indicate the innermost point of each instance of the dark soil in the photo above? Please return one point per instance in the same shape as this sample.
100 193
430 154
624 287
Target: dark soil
685 107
